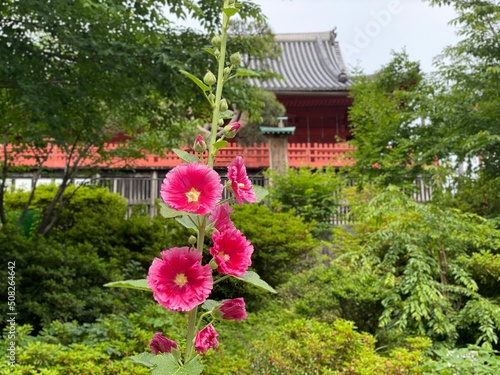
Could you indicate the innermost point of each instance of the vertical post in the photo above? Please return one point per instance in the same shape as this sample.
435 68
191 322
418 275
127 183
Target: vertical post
277 138
153 193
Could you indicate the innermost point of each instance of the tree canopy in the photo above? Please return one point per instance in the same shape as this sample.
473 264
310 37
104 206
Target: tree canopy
405 122
75 74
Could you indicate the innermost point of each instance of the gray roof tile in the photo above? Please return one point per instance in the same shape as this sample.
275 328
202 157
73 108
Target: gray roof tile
309 63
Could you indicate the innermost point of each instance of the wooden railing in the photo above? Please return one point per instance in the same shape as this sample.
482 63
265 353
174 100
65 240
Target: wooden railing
256 157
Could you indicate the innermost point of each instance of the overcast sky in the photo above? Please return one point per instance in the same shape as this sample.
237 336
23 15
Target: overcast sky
368 30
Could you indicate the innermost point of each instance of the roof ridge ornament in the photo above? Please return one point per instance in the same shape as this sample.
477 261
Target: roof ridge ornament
333 35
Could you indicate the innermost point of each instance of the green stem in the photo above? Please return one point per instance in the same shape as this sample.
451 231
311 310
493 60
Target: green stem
221 279
191 333
220 84
191 329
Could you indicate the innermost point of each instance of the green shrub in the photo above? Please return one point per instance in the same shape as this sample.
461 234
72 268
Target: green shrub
310 347
334 291
282 242
311 194
62 275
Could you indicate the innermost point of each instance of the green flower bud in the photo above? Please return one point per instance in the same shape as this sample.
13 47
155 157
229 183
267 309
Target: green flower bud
209 79
213 264
192 240
235 58
223 105
221 122
211 97
227 71
200 144
216 41
231 129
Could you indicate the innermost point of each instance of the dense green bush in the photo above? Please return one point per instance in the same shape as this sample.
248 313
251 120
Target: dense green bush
101 347
311 194
310 347
61 276
334 291
59 281
282 241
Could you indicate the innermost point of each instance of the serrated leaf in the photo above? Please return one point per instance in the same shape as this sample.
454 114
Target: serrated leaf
196 80
209 304
167 364
220 144
141 284
188 221
260 192
227 114
254 279
169 212
186 156
230 11
242 72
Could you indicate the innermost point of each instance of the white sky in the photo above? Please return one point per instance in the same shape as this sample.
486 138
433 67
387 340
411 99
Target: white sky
368 30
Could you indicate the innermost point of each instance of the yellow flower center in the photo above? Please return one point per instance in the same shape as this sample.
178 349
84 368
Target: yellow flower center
226 257
240 185
180 280
193 195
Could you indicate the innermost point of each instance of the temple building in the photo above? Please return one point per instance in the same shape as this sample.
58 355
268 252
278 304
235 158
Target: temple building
314 88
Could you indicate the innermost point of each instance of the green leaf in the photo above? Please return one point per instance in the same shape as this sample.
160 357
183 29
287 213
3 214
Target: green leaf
188 221
230 11
260 192
220 144
196 80
167 364
227 114
145 359
186 156
209 50
242 72
209 304
130 284
254 279
169 212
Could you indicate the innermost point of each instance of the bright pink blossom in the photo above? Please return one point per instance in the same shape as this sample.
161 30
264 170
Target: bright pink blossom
233 309
206 339
232 252
192 187
161 344
221 217
240 183
179 282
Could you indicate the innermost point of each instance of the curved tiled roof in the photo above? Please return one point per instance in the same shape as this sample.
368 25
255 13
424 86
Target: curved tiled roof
309 63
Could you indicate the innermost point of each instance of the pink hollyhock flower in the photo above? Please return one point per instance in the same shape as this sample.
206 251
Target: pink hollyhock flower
232 252
161 344
233 309
240 183
206 339
192 187
221 217
179 282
